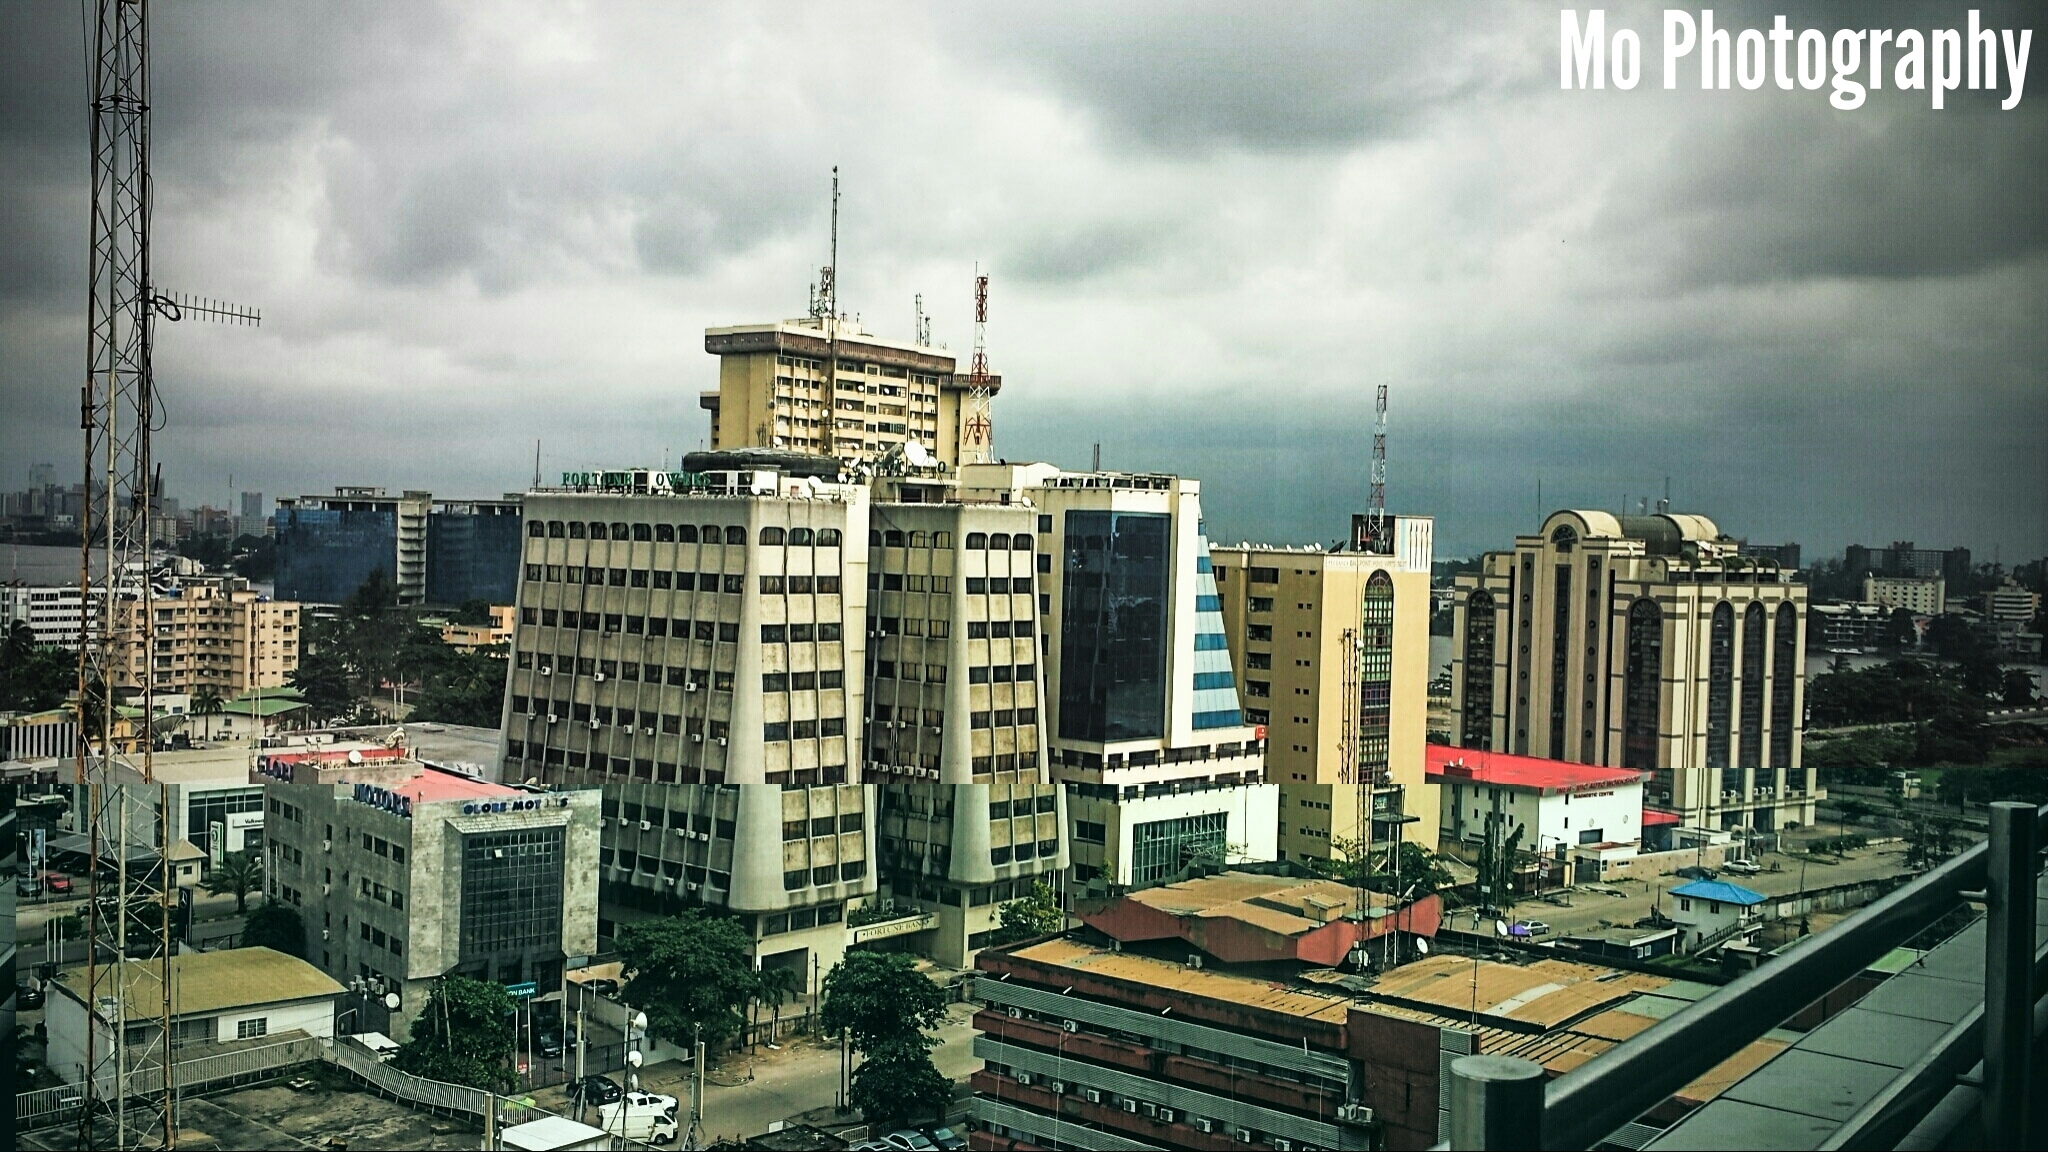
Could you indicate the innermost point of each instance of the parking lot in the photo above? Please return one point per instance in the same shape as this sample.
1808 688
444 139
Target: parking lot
275 1116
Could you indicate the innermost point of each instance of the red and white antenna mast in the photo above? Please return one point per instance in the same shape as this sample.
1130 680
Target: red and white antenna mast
978 441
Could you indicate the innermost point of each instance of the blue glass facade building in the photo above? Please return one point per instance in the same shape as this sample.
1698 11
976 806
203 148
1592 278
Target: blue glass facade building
473 553
325 554
1113 633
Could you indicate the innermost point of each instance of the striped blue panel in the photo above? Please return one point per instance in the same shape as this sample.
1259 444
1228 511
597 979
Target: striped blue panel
1202 564
1208 603
1212 680
1226 718
1211 642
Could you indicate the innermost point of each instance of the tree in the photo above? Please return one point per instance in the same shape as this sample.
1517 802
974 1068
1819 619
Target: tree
2016 689
33 678
879 997
206 704
322 679
688 972
462 688
777 986
1856 810
277 927
1038 914
463 1036
1900 631
237 874
898 1084
474 612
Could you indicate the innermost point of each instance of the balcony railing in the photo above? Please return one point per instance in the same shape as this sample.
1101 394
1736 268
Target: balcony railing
1498 1102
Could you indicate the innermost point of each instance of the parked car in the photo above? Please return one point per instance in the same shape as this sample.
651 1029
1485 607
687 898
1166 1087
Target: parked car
548 1044
27 995
1741 867
1536 927
948 1140
27 886
57 882
596 1091
1695 872
644 1116
907 1140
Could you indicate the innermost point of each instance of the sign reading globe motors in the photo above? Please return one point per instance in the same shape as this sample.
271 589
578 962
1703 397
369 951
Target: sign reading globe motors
1937 61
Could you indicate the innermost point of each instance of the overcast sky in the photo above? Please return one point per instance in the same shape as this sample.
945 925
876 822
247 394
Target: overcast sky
1212 230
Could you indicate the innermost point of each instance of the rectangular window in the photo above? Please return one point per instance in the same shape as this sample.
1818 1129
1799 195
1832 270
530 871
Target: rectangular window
1113 643
250 1029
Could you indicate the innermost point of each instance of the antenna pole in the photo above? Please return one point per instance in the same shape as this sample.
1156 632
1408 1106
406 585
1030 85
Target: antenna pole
828 307
978 439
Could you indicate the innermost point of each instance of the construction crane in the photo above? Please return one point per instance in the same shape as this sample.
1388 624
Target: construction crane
978 431
129 1078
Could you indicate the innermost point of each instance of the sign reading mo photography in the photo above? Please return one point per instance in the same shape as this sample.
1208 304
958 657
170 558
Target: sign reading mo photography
1937 61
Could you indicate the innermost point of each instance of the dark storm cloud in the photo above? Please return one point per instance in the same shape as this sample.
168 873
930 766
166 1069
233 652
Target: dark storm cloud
1213 229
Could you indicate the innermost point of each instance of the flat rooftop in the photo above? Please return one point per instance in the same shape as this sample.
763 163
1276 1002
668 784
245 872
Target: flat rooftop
1207 984
435 785
203 983
1448 765
1287 905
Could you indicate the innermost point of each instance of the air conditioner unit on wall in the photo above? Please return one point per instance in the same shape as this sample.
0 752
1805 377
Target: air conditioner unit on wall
1091 1095
1016 1013
599 677
1058 1088
1130 1106
1024 1078
1166 1116
1204 1124
1070 1025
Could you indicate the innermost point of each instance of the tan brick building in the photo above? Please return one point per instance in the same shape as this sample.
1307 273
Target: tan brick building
214 633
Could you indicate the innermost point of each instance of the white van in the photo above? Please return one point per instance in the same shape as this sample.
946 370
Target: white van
643 1116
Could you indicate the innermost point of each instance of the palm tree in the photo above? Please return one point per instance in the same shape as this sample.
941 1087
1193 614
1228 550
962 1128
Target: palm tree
207 703
777 985
239 873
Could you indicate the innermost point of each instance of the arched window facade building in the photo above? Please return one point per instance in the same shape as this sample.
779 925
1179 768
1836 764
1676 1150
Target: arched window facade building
1376 678
1721 695
1784 683
1476 730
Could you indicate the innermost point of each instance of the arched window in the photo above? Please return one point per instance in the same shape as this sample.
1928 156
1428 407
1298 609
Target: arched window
712 533
920 540
576 530
828 537
874 537
1721 694
620 531
1564 538
555 529
799 537
977 539
1643 694
1750 751
686 533
734 534
665 533
536 528
597 530
999 542
642 532
771 535
1784 684
892 538
1021 542
942 539
1477 728
1375 679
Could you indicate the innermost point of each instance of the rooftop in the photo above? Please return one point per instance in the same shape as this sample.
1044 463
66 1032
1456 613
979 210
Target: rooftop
211 982
435 785
1284 904
1719 890
1201 983
1546 994
1526 772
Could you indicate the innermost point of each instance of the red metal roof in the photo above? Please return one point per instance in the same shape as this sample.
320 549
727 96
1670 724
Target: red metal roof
1448 764
1653 817
434 785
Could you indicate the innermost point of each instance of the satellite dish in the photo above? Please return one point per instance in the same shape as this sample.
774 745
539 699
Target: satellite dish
1500 927
918 455
1422 946
354 756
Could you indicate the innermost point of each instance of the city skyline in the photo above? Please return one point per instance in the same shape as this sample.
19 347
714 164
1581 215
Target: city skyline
466 234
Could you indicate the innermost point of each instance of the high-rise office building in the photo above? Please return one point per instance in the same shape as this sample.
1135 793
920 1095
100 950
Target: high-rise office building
774 391
473 551
1641 642
328 545
1334 647
1162 770
1903 558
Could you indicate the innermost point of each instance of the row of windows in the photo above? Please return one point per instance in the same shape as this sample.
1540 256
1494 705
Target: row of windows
680 533
616 624
826 874
679 581
1002 717
668 723
997 585
382 895
803 729
1026 850
390 943
669 817
1025 806
804 918
382 847
821 826
977 541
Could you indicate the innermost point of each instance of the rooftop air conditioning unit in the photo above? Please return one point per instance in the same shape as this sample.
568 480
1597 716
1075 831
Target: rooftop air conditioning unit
1130 1106
1024 1078
1204 1124
1194 959
1016 1013
1071 1025
599 677
1091 1095
1058 1088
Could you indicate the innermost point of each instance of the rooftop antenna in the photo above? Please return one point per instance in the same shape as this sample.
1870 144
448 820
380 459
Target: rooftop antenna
921 324
1096 464
980 432
536 462
1371 532
828 306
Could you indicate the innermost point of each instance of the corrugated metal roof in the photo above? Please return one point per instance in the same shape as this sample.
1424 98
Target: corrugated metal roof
203 983
1203 983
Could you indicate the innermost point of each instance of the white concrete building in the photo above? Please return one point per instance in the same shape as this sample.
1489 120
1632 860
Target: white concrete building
1567 812
1705 910
1928 597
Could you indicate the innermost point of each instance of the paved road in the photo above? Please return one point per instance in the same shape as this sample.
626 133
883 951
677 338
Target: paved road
1589 909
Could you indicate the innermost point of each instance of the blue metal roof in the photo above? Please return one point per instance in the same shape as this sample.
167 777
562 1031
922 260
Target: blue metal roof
1719 890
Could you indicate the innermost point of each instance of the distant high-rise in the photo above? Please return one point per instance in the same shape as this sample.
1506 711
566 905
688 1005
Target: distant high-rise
1642 642
1951 565
473 551
327 546
774 391
252 506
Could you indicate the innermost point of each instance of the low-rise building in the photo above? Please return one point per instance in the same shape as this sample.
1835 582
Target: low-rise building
1577 814
496 634
1927 596
405 873
238 994
216 634
1710 910
2011 604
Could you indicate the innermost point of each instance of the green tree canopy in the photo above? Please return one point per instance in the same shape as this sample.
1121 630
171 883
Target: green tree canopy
276 926
898 1084
880 997
1038 914
32 678
463 1036
474 612
237 875
459 687
688 971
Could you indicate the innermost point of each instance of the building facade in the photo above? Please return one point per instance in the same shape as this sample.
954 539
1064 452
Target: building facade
2011 604
1334 648
404 873
1925 597
775 391
328 545
55 614
1641 642
213 634
473 551
1951 565
1162 770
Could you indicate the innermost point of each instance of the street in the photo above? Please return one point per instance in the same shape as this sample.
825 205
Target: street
1591 909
